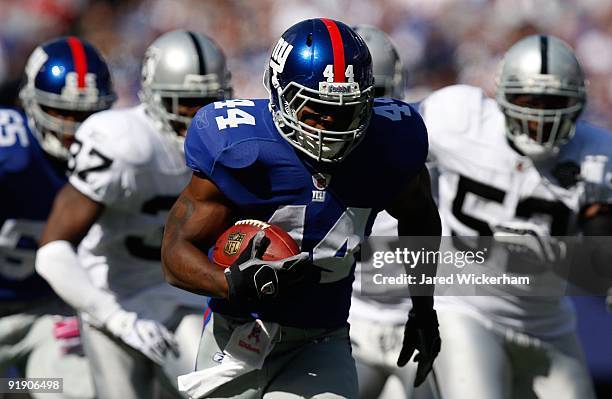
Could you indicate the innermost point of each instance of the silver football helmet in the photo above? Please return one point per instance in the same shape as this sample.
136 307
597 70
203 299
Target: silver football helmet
182 71
541 91
386 64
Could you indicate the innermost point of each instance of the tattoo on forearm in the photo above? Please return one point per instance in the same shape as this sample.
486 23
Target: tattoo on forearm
179 214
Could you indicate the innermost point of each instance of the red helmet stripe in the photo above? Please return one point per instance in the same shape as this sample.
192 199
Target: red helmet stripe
79 59
338 48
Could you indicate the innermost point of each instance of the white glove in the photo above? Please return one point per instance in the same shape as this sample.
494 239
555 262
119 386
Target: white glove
529 237
149 337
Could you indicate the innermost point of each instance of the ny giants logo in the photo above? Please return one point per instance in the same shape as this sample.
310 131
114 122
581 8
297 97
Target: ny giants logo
278 59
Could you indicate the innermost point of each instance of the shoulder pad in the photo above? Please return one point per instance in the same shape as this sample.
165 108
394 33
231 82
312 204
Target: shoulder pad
107 146
226 135
396 145
122 135
456 104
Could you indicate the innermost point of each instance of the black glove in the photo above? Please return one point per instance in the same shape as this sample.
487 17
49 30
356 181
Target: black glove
421 333
250 278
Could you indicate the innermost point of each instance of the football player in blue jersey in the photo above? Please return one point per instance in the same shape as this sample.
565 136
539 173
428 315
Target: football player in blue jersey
66 80
320 159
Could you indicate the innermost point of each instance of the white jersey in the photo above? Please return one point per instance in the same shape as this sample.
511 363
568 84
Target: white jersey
483 181
121 161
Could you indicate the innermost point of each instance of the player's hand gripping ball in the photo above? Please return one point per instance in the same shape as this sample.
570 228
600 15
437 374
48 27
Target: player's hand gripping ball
234 240
260 261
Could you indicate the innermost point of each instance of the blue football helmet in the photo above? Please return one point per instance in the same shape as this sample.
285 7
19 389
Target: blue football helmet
321 70
66 80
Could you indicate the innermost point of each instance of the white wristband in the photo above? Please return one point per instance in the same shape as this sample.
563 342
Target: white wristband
57 262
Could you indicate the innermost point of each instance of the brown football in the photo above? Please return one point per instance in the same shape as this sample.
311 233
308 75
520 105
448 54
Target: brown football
235 239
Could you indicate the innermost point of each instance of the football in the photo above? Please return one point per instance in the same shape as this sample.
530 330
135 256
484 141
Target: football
235 239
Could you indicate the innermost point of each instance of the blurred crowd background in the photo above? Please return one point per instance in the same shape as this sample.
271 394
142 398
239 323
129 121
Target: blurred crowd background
440 41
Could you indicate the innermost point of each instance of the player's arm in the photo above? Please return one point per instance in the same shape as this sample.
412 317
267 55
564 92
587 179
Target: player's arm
198 217
71 217
78 205
418 216
94 185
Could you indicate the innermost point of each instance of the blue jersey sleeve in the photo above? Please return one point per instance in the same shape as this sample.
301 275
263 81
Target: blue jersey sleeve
409 146
233 146
215 150
210 143
28 185
397 141
16 142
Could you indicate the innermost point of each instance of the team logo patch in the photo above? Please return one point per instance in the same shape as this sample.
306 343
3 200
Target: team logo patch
321 180
318 196
279 58
234 241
